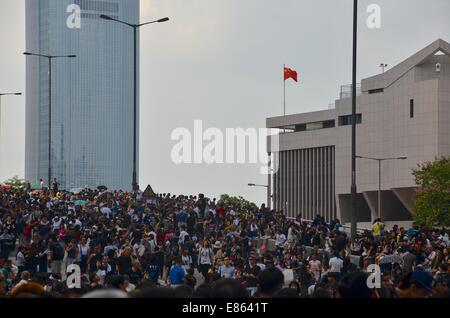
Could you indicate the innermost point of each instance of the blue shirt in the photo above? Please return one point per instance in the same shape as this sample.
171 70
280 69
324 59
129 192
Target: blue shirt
182 216
176 275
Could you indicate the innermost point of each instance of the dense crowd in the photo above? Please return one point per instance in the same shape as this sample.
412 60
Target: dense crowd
125 245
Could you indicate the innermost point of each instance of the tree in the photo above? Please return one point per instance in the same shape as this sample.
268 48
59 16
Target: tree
15 182
238 201
432 200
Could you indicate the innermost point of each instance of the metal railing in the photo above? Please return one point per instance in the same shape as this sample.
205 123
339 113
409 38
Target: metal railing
346 91
346 228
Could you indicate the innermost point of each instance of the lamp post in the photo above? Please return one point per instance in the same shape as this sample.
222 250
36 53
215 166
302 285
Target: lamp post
1 95
355 56
258 185
50 59
263 186
134 184
380 160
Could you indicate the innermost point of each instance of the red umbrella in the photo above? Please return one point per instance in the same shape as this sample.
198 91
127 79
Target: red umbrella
5 187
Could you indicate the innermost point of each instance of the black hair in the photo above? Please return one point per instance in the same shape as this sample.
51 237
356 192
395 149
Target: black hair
203 291
320 292
287 293
156 293
117 280
184 291
270 280
229 288
354 285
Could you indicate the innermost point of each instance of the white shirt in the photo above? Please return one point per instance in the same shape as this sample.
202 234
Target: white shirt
281 238
154 236
56 224
101 273
106 211
78 222
205 255
83 249
183 235
261 265
20 259
336 265
186 262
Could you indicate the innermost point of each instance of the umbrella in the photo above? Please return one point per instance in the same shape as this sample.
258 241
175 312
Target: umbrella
37 192
102 188
104 196
5 187
80 202
36 186
76 190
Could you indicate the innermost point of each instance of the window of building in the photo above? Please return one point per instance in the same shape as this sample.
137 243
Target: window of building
347 120
315 125
376 90
94 5
411 108
329 124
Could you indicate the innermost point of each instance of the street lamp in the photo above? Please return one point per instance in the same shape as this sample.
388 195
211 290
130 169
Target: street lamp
257 185
50 58
355 56
4 94
268 193
380 160
383 66
135 27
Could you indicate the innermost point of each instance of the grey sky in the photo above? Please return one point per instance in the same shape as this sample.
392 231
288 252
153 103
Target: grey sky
221 61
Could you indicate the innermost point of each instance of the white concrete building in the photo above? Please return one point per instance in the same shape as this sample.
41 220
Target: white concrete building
402 112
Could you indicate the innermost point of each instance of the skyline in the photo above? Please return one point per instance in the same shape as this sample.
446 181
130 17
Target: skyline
181 60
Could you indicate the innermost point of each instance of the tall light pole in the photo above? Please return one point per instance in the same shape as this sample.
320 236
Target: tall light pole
383 66
1 95
262 186
380 160
355 56
134 184
50 59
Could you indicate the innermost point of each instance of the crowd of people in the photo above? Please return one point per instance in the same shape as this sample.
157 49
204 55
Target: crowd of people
123 244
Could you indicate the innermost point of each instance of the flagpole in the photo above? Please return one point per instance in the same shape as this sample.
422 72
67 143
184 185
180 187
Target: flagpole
284 94
284 91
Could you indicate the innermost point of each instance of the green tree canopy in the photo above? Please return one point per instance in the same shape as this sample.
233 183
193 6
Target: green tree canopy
432 200
16 182
238 201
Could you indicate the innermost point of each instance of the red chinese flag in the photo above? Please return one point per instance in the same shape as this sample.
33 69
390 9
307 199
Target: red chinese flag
288 73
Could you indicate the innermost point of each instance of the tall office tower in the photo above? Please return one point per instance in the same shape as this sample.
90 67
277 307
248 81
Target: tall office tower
92 118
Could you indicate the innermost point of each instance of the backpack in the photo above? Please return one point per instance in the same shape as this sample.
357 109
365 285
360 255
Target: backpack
58 252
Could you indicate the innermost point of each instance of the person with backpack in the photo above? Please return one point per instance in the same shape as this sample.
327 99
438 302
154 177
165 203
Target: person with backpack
57 256
205 258
72 252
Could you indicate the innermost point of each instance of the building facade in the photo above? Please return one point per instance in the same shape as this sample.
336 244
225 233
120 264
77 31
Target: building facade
402 112
92 95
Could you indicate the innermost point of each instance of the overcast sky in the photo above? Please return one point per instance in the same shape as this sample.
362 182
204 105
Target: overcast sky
221 61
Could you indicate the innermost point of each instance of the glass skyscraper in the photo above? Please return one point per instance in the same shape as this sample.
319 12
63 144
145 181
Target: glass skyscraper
92 94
